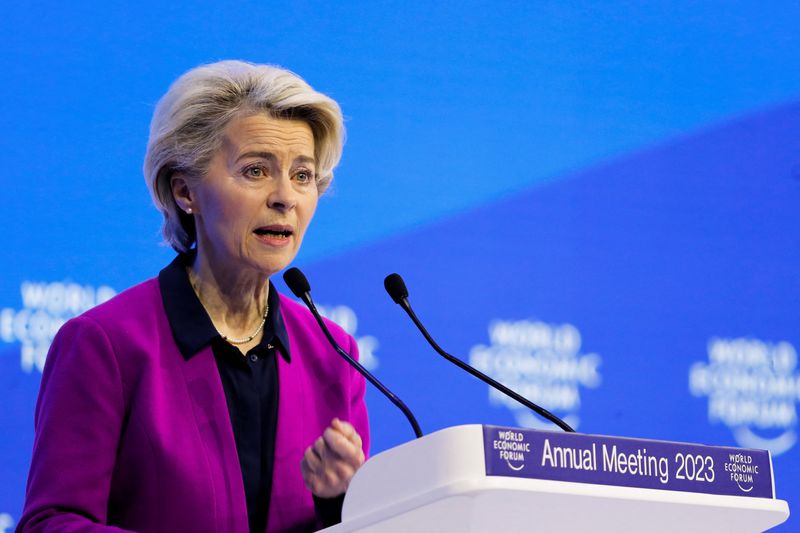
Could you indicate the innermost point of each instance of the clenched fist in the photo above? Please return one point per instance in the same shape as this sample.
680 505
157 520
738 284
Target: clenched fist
330 463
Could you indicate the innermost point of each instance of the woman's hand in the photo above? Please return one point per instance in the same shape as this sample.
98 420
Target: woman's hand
330 463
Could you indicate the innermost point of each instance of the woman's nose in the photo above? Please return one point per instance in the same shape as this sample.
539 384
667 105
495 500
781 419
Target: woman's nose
282 196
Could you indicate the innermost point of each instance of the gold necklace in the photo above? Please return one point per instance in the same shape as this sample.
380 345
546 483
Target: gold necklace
227 339
251 337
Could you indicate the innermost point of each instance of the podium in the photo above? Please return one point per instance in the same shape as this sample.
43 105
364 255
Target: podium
477 478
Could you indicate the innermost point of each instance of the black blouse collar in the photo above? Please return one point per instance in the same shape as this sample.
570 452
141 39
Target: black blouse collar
191 326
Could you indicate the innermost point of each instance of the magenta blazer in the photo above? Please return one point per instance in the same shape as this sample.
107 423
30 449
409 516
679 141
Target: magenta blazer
130 436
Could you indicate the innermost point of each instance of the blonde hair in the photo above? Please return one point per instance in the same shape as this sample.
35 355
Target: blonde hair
190 118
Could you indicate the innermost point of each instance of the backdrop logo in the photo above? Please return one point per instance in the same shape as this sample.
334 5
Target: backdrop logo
542 362
348 320
45 308
6 522
752 388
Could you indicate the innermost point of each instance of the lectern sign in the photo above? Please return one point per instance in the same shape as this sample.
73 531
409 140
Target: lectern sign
627 462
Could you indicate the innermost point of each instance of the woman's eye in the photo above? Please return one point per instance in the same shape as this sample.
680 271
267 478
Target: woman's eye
255 172
304 176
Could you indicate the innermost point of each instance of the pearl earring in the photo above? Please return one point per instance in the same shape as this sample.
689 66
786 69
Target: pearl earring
188 210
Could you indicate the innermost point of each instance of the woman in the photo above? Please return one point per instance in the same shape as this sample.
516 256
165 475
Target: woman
202 400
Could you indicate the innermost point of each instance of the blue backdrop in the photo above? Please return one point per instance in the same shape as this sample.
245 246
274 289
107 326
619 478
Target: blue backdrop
596 203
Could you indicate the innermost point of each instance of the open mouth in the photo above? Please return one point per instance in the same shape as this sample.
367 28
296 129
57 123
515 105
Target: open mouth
274 232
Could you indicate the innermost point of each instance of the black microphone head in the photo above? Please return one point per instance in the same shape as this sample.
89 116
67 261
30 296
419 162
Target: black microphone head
396 287
297 282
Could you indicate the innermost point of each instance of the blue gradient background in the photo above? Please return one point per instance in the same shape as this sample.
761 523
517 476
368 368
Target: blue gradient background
630 168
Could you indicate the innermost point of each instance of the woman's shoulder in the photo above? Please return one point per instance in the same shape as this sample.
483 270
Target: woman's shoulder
136 312
137 301
297 316
123 324
293 310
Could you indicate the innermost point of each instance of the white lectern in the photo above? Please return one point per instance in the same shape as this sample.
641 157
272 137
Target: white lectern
473 479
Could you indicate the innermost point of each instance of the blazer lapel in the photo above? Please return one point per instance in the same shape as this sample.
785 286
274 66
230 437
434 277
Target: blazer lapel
211 415
290 500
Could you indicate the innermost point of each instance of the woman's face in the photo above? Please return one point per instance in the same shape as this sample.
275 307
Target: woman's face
257 198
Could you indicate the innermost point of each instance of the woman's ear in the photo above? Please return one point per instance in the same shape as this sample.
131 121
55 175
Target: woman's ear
182 193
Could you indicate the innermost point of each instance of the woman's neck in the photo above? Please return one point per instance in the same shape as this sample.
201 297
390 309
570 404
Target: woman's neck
235 301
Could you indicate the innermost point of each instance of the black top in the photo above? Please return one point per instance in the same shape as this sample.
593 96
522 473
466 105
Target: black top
250 382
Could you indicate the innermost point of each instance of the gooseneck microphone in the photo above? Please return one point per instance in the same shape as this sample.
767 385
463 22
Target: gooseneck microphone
396 288
299 285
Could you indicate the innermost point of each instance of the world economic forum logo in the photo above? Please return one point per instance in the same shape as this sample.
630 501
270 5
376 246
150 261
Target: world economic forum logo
542 362
45 308
752 387
511 447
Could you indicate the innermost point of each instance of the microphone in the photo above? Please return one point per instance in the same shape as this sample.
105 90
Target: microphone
396 288
299 285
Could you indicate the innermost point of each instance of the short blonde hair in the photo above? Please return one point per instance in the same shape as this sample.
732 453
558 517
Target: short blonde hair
190 118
